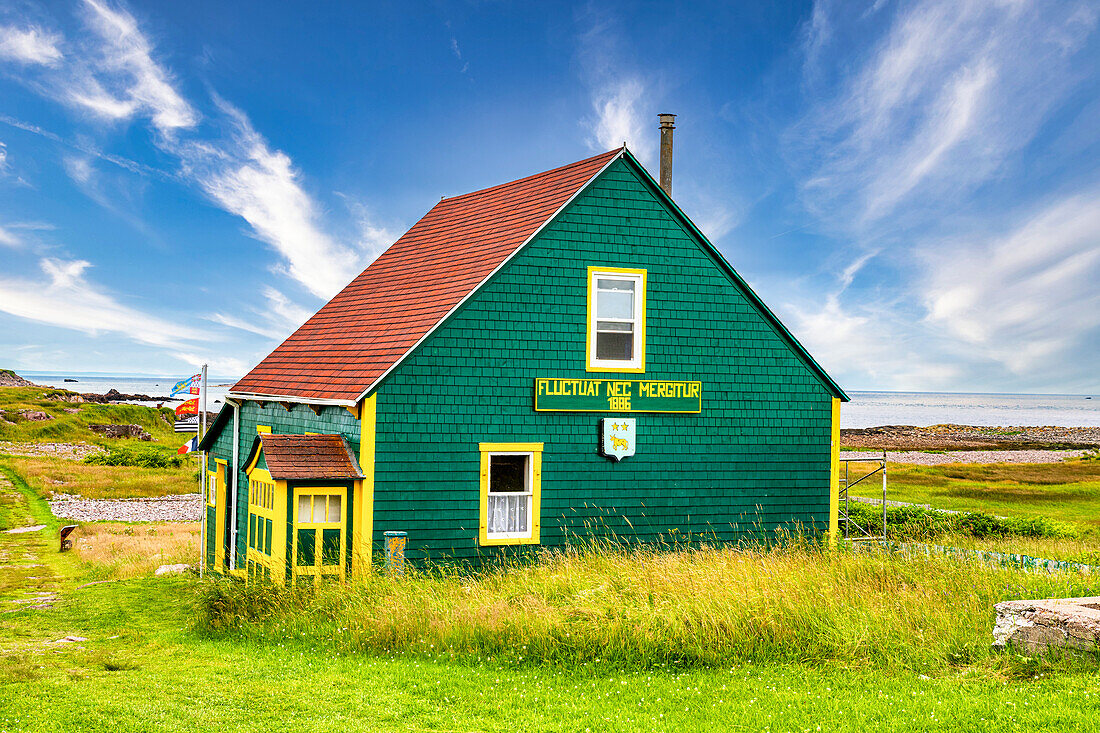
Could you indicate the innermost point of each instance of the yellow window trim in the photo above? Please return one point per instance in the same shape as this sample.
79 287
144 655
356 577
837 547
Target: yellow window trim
221 473
535 450
275 561
220 468
317 570
589 321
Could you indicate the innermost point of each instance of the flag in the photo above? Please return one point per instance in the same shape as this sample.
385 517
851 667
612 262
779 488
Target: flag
189 385
189 446
191 407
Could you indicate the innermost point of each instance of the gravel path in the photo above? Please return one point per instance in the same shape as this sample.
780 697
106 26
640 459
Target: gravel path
973 456
181 508
72 451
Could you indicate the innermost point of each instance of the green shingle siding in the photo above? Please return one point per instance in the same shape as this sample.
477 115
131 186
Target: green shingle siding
756 457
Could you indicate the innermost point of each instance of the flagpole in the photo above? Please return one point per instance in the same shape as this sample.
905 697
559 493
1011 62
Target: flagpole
202 473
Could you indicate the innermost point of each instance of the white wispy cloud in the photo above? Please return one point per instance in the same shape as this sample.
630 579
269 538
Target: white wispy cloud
619 118
936 107
8 238
276 320
246 177
78 168
67 299
617 94
458 55
32 45
373 237
892 159
113 73
1026 298
123 79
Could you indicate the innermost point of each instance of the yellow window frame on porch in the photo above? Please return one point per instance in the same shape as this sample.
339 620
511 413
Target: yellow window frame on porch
265 525
534 452
317 569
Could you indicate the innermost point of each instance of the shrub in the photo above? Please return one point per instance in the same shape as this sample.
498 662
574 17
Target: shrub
917 523
144 456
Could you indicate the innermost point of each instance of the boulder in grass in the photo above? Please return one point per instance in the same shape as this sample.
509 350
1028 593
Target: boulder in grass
173 569
1037 625
35 415
121 431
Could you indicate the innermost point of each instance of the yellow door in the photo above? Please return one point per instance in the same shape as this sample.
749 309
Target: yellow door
218 498
320 539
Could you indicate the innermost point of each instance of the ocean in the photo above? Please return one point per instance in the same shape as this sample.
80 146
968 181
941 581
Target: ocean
129 384
866 410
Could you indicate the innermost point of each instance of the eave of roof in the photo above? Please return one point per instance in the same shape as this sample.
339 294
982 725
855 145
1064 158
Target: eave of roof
211 435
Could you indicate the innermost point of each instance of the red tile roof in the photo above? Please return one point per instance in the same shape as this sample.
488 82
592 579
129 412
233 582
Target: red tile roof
299 457
372 323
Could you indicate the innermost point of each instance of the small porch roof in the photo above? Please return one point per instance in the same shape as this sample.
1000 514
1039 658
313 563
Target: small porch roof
306 457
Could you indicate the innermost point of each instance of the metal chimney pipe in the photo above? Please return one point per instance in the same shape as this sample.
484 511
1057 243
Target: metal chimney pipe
667 126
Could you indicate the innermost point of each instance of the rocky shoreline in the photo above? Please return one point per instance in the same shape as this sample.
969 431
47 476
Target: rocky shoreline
970 438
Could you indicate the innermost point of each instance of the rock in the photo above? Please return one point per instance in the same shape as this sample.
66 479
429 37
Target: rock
179 508
121 431
35 415
21 530
71 451
173 569
1033 626
8 378
64 396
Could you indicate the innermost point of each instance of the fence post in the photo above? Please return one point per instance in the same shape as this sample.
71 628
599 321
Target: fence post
395 552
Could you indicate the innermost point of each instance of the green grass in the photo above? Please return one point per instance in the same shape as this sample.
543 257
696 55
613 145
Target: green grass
157 676
66 427
1067 492
146 667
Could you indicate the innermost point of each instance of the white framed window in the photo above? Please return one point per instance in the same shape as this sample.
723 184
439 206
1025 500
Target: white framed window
616 319
511 476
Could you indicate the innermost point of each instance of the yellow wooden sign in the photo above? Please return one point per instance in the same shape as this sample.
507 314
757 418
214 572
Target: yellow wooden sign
617 395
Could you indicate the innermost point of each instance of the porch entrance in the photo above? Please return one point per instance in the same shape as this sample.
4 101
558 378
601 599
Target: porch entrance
320 534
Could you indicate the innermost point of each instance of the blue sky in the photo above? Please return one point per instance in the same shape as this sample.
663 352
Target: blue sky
913 187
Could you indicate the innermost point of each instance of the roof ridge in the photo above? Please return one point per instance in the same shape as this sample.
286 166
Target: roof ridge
552 171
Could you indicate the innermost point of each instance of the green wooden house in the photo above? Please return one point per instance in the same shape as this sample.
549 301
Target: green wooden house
559 357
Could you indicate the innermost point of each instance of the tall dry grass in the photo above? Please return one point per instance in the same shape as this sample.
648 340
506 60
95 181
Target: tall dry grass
705 606
47 475
118 550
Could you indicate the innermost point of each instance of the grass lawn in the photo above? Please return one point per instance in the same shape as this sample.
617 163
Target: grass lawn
1067 492
156 675
144 666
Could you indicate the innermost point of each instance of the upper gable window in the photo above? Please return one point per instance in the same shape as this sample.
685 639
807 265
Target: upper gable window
616 319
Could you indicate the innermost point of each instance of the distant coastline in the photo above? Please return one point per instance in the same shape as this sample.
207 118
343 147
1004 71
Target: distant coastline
867 409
